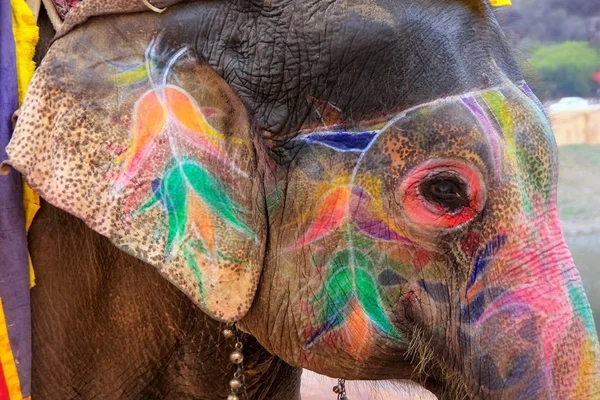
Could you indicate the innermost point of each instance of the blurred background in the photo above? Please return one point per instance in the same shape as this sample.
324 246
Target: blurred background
557 43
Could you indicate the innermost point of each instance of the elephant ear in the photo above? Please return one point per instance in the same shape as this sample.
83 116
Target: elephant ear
151 148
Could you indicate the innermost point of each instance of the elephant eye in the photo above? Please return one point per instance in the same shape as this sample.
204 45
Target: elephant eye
446 190
442 194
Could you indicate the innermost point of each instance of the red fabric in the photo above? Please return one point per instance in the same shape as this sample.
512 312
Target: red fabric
3 388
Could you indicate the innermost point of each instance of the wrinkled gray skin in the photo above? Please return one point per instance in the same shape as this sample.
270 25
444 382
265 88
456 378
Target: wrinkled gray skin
106 326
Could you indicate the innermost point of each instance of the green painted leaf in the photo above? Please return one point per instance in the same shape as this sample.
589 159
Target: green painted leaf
334 286
175 198
198 246
151 202
370 301
348 259
223 256
335 295
339 261
350 274
211 190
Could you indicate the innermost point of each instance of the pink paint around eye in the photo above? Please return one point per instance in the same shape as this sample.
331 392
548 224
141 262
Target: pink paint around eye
428 215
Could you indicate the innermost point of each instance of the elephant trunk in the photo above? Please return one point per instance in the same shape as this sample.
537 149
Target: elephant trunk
526 329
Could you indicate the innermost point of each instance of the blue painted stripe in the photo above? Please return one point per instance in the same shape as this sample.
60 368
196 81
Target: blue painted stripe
341 141
484 258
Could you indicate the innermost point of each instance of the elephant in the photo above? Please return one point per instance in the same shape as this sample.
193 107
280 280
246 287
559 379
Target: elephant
366 188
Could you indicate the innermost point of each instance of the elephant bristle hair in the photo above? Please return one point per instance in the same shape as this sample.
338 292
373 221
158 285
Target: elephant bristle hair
424 358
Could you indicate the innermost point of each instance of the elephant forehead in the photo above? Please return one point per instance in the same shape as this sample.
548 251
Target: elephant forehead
502 131
366 57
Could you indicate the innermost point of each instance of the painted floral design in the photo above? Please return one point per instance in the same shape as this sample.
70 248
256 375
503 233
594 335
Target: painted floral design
192 197
168 126
353 204
350 296
350 301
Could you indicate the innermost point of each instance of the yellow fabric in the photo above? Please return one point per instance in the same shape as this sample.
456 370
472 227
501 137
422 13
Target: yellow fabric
31 203
8 362
500 3
26 37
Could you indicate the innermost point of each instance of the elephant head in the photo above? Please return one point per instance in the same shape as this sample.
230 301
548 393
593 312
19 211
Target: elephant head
431 237
368 188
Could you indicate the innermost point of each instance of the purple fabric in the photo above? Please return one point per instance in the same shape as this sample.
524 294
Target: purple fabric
14 266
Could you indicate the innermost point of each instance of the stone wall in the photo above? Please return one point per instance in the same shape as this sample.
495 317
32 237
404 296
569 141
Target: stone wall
576 126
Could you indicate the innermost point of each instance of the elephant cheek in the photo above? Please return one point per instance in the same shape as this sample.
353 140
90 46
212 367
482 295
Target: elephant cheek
497 364
568 361
425 304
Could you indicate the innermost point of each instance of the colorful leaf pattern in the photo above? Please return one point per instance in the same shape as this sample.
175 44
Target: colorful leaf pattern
356 205
194 201
330 214
350 287
350 298
192 197
159 112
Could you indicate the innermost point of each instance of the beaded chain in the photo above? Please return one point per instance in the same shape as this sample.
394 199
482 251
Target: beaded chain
237 385
340 390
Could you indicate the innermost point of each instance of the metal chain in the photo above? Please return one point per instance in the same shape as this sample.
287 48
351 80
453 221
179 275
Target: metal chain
237 385
239 373
340 390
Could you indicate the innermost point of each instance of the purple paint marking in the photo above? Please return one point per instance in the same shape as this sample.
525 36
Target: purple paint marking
368 223
527 90
490 131
525 87
484 258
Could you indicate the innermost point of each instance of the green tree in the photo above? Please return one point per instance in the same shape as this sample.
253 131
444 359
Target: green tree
567 68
